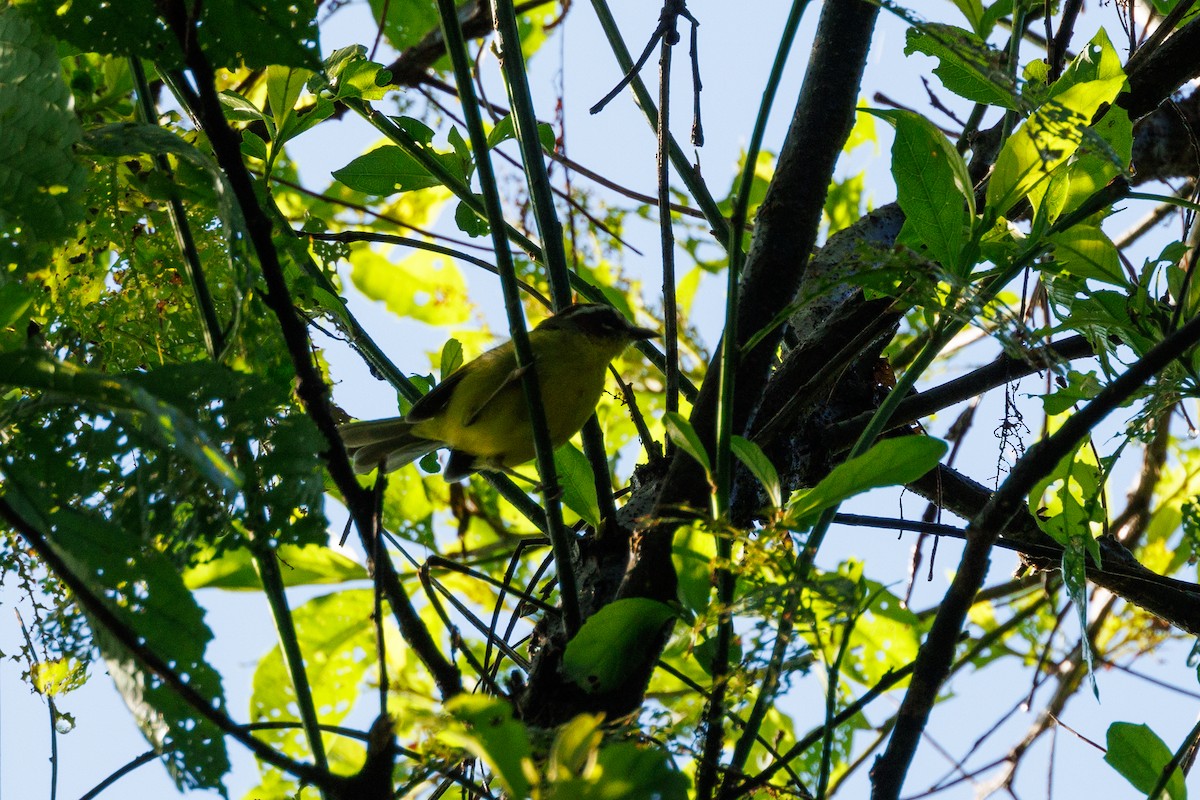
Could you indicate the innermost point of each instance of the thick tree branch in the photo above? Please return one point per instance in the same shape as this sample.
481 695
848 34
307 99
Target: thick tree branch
1157 75
310 387
412 66
785 234
1006 368
1175 601
937 653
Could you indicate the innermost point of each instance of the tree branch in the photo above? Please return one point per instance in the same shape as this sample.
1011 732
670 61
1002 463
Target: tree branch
310 387
937 653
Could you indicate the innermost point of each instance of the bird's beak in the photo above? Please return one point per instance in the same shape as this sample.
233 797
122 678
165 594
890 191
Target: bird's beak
638 334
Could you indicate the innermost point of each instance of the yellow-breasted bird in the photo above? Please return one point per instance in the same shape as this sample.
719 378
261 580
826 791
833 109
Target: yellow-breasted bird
479 411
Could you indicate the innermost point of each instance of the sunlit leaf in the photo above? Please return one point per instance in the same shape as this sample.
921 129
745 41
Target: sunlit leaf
891 462
1056 129
578 483
600 655
40 176
298 566
489 731
425 286
760 466
933 188
58 676
336 635
452 357
967 65
575 745
1086 252
145 592
693 550
144 411
385 170
685 437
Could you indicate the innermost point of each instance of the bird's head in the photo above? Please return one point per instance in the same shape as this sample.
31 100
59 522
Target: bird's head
597 321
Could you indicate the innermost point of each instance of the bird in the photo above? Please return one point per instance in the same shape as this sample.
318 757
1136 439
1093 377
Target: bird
479 411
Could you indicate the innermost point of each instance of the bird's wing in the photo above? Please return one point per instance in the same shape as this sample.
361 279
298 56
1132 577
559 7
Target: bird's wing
512 378
436 399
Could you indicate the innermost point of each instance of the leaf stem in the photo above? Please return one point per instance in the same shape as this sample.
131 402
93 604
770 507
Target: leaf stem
689 175
210 326
714 730
560 539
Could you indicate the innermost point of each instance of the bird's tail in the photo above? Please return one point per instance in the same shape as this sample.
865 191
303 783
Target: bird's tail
387 441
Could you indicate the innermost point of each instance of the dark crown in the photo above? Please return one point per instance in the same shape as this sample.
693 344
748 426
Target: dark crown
594 319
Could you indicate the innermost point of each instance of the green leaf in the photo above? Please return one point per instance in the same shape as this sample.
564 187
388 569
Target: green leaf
424 286
299 565
1105 152
575 746
451 359
469 221
998 10
405 22
692 551
389 169
684 436
967 65
462 150
253 145
628 771
505 130
57 677
1085 251
1074 574
41 180
1068 505
1140 757
384 171
336 634
304 120
1080 388
259 33
932 187
408 505
886 637
972 10
879 633
131 27
284 85
1053 133
15 300
124 139
891 462
760 467
843 205
1097 71
238 109
138 408
364 80
1069 502
600 656
489 731
232 33
348 74
705 652
578 483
